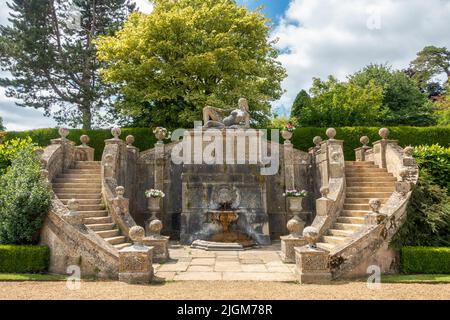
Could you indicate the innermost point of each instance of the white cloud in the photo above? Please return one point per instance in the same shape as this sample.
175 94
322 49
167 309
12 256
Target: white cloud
144 6
322 37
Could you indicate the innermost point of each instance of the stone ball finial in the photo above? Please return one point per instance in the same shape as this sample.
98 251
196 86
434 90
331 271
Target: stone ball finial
155 226
73 205
331 133
383 133
408 151
311 235
375 205
317 140
116 131
294 226
136 234
364 140
129 140
84 139
120 191
63 132
324 191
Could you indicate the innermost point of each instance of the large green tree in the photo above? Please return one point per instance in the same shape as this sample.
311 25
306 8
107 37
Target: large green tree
2 127
302 101
430 62
48 50
402 99
190 53
335 103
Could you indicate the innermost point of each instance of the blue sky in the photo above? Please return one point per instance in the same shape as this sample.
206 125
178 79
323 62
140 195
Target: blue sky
317 38
274 9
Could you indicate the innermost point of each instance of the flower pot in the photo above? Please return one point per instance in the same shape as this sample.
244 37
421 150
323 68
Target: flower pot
295 204
287 135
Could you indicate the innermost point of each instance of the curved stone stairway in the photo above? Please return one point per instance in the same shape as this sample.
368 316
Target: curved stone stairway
83 183
364 181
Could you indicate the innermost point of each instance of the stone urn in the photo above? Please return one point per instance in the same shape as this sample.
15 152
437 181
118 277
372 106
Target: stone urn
287 135
160 134
295 204
154 206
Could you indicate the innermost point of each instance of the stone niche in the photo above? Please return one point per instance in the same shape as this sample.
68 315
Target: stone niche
191 191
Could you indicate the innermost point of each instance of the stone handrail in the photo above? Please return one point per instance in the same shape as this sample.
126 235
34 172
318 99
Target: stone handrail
329 158
113 165
71 243
367 242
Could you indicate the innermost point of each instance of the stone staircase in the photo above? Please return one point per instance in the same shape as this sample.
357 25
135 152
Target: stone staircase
364 181
83 183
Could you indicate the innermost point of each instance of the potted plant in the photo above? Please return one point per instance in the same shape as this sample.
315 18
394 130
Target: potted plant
295 199
154 196
288 131
161 133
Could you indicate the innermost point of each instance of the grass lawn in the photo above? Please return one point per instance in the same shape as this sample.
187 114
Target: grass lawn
31 277
416 278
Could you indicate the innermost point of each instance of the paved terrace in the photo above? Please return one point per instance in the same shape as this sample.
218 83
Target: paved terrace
262 264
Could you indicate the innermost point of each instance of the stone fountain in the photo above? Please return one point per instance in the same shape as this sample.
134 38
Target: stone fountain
226 218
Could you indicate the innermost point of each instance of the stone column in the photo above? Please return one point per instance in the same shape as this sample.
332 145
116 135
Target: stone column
312 262
294 239
288 165
159 243
84 152
360 153
323 204
135 262
335 156
379 148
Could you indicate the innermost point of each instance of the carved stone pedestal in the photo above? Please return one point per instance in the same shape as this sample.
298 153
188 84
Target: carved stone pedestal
160 246
312 265
288 244
135 264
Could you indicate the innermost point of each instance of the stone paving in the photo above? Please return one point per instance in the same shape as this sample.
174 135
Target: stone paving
261 264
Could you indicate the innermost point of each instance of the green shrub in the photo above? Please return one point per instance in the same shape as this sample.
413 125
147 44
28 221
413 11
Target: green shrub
428 216
24 199
302 137
10 148
436 161
23 259
425 260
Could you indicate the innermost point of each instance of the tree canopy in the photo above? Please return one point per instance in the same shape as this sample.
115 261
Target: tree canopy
403 101
342 104
188 54
49 52
302 101
430 62
2 127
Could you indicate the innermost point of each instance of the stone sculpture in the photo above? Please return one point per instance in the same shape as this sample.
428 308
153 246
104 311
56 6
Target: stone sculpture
237 118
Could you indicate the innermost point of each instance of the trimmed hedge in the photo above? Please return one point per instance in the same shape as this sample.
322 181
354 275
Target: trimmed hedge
302 137
425 260
24 259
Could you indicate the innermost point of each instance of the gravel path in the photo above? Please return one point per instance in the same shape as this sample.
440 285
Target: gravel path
220 290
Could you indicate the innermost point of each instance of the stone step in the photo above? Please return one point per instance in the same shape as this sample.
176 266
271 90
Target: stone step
82 171
367 174
340 232
334 239
362 200
370 189
76 180
325 246
370 179
369 194
116 240
91 207
356 206
97 220
101 226
347 226
108 233
69 185
97 213
86 196
350 220
365 169
80 176
122 245
359 163
355 213
87 164
380 184
84 201
77 190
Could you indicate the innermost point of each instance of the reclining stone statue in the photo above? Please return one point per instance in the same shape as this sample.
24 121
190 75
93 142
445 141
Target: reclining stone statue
237 118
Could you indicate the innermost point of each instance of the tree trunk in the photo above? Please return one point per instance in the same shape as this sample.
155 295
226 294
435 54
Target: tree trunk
87 118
